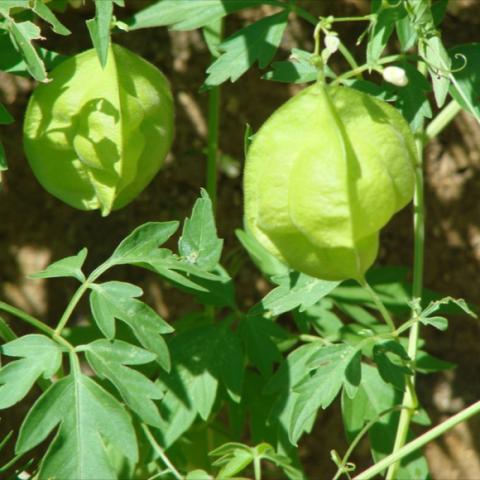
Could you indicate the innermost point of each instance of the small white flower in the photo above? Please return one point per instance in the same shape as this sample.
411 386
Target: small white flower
396 76
331 43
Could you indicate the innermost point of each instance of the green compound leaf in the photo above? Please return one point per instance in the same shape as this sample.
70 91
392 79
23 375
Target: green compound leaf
256 43
382 28
210 288
235 457
212 34
199 244
88 419
42 10
198 475
412 99
141 245
117 300
333 366
373 398
440 323
382 92
22 35
66 267
439 66
437 305
297 69
40 357
406 33
426 363
7 5
431 46
12 62
99 28
439 9
260 336
263 259
188 15
388 356
323 319
202 359
297 290
109 360
281 386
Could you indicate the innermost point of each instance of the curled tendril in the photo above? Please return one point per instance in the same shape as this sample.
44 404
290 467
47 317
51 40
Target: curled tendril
445 72
343 465
343 468
395 5
461 67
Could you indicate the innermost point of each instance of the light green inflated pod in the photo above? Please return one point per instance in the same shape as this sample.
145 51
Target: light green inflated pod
323 175
96 137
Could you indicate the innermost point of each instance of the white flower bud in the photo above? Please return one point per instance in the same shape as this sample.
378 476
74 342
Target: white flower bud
396 76
331 43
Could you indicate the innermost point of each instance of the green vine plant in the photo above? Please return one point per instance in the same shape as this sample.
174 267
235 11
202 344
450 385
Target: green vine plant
225 390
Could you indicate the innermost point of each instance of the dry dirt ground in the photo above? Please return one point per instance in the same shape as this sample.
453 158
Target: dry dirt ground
36 228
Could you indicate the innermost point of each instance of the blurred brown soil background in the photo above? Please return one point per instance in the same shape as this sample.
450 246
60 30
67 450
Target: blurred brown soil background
36 229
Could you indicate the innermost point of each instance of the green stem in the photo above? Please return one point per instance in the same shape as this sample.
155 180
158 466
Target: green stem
314 21
442 120
365 18
306 338
302 13
409 397
349 58
419 442
71 307
159 451
6 333
358 70
379 304
316 39
212 142
78 295
27 318
215 34
257 469
363 431
11 463
159 474
405 326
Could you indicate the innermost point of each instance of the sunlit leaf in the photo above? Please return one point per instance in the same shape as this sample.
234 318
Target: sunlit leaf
188 15
199 243
110 359
40 357
66 267
257 42
86 418
111 300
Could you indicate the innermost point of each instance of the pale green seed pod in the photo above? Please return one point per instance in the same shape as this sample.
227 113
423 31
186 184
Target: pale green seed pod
323 175
96 137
